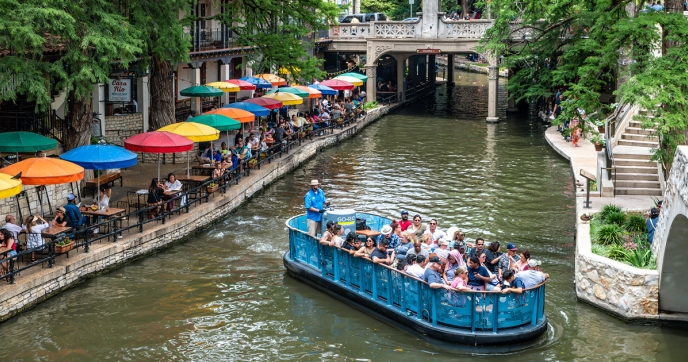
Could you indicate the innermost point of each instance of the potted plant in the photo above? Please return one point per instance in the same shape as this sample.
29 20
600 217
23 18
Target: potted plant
212 187
64 245
600 125
598 141
252 163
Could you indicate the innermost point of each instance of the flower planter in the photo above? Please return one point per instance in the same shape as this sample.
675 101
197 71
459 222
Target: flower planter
251 165
61 249
600 128
212 189
598 147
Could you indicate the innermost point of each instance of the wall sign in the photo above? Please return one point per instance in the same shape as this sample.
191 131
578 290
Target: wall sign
120 90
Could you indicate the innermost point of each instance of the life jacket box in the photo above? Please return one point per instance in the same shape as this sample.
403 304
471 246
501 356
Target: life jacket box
344 217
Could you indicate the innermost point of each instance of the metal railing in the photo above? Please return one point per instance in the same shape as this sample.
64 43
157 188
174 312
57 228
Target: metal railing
211 38
409 296
46 123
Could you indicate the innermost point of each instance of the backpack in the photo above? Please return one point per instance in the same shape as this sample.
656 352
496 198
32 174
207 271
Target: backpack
361 224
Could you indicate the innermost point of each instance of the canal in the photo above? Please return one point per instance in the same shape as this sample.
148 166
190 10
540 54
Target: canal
224 294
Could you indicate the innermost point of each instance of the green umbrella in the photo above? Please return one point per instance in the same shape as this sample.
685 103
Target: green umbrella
291 90
217 121
25 142
201 91
360 76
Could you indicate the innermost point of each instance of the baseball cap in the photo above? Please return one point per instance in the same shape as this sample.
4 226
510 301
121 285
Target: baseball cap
329 223
532 263
404 212
511 246
435 259
71 196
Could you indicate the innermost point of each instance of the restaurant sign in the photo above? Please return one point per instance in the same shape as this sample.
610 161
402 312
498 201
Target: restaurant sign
120 90
428 51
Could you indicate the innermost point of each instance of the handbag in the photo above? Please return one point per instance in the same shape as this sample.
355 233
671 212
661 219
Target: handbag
361 224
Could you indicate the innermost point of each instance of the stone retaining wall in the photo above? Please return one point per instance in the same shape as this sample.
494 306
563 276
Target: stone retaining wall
119 128
47 282
56 193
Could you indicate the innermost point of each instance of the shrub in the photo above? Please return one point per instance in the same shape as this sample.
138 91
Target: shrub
600 250
609 209
609 234
369 105
616 252
641 258
595 225
616 218
635 223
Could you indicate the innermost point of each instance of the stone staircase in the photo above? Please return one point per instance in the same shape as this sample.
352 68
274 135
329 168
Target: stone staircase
636 174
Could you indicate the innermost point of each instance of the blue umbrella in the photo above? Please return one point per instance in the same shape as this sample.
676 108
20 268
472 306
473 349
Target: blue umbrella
249 107
258 82
325 90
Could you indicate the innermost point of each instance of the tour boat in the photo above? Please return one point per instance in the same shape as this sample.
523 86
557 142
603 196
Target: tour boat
408 303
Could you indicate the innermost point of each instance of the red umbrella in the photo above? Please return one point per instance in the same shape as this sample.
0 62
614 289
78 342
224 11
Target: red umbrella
337 84
266 102
243 85
158 142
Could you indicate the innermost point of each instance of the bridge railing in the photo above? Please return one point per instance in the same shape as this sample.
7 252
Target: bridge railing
463 28
397 29
351 31
410 296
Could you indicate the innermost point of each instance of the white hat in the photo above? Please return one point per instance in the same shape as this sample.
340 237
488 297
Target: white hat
532 263
314 182
443 242
386 230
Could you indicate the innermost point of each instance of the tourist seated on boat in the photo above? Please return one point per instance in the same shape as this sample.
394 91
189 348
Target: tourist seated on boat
479 246
522 263
404 246
381 255
426 242
494 279
352 243
492 255
508 261
418 227
512 283
61 218
417 269
533 276
454 261
367 249
478 276
386 234
442 249
418 249
7 240
337 239
327 237
406 262
460 281
458 241
432 274
436 232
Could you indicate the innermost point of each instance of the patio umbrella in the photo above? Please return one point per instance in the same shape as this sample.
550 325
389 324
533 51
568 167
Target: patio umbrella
201 91
287 99
312 92
325 90
25 142
360 76
268 103
100 157
219 122
9 186
194 131
337 84
158 142
233 113
43 171
243 84
292 90
249 107
353 80
224 86
259 83
273 79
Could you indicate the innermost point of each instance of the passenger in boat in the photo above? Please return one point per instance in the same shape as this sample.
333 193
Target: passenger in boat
512 284
432 274
460 282
315 206
337 239
396 229
327 237
433 230
442 249
352 243
366 250
533 276
477 274
494 280
492 255
405 222
404 246
380 254
523 260
418 249
458 240
509 260
408 261
418 268
479 245
386 234
417 227
454 261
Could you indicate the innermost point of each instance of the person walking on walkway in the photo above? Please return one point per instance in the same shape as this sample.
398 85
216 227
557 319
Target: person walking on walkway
314 201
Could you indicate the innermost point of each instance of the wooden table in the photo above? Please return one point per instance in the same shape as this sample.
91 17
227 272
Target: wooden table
107 214
368 233
202 169
195 179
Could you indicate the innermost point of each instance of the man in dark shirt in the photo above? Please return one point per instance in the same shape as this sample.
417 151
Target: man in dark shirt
432 275
512 284
479 245
279 135
477 274
380 255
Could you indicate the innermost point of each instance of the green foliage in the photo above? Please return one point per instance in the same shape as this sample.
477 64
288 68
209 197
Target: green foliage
616 252
609 209
635 223
400 10
640 258
616 218
609 234
595 225
369 105
601 250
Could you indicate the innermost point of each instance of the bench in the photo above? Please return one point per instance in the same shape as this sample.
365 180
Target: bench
105 179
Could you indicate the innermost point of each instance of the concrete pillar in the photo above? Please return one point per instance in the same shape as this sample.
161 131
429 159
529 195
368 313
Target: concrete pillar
432 74
143 100
412 68
98 105
450 70
423 68
195 80
493 90
401 91
225 75
429 20
371 83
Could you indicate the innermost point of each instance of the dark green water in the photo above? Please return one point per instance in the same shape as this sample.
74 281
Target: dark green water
224 294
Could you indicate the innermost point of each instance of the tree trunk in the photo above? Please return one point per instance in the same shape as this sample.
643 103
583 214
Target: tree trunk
80 119
162 96
464 9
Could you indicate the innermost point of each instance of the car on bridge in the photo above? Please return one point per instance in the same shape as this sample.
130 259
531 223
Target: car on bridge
364 18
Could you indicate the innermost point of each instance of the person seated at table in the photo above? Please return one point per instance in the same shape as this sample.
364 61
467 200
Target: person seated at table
12 227
33 230
237 137
172 184
263 145
243 153
7 240
210 156
61 218
71 210
224 151
155 192
254 142
348 105
218 172
103 198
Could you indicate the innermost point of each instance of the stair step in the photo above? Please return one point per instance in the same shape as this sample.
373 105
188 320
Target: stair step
632 162
636 176
639 130
637 184
637 124
638 137
632 156
649 144
634 191
637 169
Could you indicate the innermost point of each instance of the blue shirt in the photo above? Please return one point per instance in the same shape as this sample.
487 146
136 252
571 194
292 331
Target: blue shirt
315 200
432 276
74 214
393 240
651 226
475 281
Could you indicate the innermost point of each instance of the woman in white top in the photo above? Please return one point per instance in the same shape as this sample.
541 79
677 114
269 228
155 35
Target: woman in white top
104 198
33 229
172 184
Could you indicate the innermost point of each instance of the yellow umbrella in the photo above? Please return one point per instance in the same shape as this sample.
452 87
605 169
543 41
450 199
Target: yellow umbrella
355 81
196 132
287 99
225 87
9 186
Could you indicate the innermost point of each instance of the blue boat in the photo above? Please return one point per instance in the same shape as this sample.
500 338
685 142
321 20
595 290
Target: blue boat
408 303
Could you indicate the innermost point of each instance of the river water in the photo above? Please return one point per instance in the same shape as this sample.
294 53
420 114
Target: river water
224 294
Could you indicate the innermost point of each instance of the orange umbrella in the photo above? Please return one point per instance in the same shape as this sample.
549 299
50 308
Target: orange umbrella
234 113
275 80
45 171
312 92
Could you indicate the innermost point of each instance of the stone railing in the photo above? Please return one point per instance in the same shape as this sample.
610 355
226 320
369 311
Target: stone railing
351 31
463 29
397 29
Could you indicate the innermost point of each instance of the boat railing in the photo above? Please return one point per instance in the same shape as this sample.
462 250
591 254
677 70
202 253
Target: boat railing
410 296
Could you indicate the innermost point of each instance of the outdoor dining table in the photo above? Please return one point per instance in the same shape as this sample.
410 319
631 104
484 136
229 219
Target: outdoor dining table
107 214
200 170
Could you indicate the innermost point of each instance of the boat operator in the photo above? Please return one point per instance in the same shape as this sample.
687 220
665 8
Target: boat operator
315 206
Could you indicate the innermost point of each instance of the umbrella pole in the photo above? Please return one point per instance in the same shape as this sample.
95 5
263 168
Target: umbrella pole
187 165
158 167
98 191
